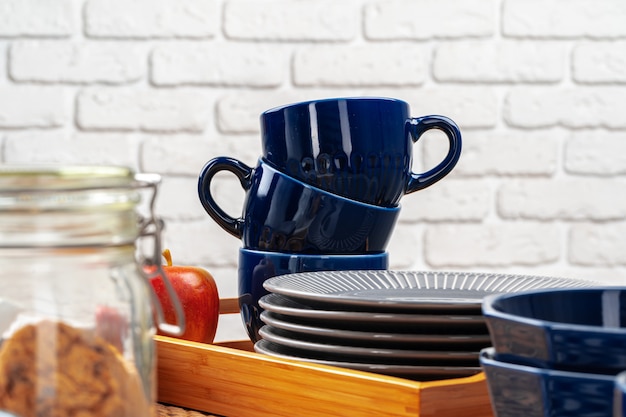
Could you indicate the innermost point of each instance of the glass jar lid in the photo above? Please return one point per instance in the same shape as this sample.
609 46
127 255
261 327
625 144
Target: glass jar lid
61 176
49 205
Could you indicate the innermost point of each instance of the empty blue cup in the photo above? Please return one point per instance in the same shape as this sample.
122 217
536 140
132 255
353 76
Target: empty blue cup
357 147
283 214
257 266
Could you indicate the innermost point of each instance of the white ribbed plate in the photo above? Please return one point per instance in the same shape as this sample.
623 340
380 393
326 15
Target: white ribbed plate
407 290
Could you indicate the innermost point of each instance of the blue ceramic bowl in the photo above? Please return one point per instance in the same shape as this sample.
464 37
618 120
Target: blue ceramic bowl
568 329
283 214
619 395
257 266
524 391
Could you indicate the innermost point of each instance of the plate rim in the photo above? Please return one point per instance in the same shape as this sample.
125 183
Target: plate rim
382 353
406 370
368 316
365 336
277 285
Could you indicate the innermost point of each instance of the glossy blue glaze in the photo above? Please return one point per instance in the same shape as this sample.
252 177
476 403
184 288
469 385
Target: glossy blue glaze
283 214
568 329
357 147
619 395
525 391
257 266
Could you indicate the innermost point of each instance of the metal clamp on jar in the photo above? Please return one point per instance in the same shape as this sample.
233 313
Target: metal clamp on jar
76 309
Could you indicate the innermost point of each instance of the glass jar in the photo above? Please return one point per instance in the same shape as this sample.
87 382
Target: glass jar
76 309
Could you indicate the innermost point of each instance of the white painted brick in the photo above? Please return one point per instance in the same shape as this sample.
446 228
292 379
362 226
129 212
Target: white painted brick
202 242
239 112
426 19
537 188
78 148
230 64
227 287
315 20
33 106
493 61
469 107
360 65
599 274
187 154
405 247
175 154
77 62
448 200
596 153
563 199
151 18
564 18
148 110
533 107
178 199
37 18
228 194
597 244
599 62
504 244
4 48
501 153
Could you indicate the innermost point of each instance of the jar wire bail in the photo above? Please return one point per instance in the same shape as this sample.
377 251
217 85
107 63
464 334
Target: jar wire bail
151 227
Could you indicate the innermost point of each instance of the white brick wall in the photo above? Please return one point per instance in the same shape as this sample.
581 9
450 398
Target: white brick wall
31 106
77 62
165 85
143 109
428 19
145 19
493 62
287 20
32 18
564 19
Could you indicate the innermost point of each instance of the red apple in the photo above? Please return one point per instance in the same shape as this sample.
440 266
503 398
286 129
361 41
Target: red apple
198 295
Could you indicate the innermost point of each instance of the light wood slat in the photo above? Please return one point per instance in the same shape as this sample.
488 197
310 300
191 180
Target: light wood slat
234 382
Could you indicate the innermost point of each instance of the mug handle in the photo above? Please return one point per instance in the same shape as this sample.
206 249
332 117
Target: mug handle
417 126
243 172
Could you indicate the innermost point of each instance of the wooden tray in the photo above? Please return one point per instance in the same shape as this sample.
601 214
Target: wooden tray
229 379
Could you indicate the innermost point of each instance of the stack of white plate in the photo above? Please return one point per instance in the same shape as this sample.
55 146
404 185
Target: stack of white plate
412 324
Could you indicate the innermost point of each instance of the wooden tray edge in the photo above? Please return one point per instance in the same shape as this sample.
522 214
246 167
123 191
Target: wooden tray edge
229 381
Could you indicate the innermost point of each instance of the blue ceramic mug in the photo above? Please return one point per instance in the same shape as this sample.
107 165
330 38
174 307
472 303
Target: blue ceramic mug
257 266
283 214
360 148
619 395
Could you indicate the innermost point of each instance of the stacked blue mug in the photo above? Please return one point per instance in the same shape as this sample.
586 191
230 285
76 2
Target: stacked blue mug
325 193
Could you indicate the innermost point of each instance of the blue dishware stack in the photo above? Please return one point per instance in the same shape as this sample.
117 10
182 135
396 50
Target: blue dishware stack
557 352
325 193
619 403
